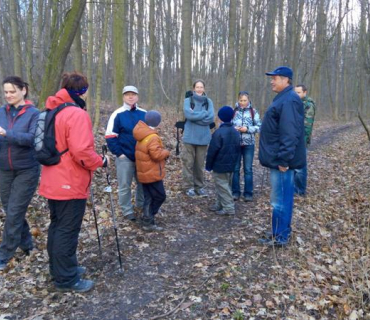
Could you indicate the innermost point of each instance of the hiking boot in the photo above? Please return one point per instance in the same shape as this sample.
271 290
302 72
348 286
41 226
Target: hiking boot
223 212
273 242
130 217
80 286
3 264
236 197
201 193
27 252
190 193
152 227
214 207
247 198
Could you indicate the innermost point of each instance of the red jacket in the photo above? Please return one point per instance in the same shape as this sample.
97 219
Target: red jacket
149 154
71 178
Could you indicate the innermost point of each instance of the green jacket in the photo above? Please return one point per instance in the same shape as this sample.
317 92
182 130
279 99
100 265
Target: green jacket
309 118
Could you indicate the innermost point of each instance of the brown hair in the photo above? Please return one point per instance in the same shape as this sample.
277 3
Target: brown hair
199 80
18 82
74 81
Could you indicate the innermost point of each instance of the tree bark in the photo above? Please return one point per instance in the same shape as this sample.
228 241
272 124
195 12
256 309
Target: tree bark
230 97
17 53
59 49
152 46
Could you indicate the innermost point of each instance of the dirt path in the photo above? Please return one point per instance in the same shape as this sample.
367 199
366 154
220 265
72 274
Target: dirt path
161 268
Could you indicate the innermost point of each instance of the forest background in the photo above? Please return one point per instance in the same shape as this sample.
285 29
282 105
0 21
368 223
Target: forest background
161 46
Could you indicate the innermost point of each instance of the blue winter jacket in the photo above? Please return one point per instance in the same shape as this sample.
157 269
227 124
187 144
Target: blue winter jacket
119 135
16 148
224 149
282 132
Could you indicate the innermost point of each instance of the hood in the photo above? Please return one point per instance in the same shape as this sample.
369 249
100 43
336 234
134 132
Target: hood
62 96
142 130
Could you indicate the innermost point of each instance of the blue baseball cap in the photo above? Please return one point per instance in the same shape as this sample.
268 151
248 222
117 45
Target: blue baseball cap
281 71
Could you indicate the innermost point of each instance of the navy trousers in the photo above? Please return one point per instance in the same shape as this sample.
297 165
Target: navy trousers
66 219
16 190
154 196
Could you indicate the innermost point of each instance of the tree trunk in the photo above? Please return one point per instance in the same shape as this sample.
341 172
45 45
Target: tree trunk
90 53
186 52
152 47
99 73
118 49
231 55
77 50
29 45
59 49
17 53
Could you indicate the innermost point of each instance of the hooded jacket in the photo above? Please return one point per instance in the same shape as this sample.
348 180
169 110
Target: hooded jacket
71 178
149 153
16 148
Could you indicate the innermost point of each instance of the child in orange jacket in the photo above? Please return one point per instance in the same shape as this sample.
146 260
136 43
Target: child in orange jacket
150 158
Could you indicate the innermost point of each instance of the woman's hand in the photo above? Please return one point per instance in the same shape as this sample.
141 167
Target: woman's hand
242 129
2 132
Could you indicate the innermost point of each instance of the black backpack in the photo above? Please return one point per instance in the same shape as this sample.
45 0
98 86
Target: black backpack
45 149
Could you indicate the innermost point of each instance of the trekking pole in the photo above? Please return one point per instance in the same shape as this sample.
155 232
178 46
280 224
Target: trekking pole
263 178
108 189
94 212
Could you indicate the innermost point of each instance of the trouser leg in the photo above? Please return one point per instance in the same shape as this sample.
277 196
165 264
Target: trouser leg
200 156
156 195
66 219
125 174
16 190
223 190
188 158
236 177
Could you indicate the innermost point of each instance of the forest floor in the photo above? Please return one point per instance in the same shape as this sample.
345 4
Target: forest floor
208 267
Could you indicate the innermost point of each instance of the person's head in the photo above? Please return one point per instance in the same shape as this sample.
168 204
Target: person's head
243 99
281 78
75 83
153 118
130 95
226 114
15 90
199 87
301 90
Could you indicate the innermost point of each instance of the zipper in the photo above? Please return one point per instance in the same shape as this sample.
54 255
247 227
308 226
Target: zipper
10 126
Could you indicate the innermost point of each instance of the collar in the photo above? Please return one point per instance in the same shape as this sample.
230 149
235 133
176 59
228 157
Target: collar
288 88
130 108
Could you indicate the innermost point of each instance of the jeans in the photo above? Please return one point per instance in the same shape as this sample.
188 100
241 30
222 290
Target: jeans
224 198
126 172
66 219
193 157
16 190
247 154
282 198
300 180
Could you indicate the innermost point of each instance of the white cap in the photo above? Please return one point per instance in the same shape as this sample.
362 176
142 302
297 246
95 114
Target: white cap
130 89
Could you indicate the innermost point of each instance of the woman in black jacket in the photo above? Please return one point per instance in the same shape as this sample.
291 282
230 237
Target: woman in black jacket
19 170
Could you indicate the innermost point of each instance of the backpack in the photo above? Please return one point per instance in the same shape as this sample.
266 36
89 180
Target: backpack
181 124
45 144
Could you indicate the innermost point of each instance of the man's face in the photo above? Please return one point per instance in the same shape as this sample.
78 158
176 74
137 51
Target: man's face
130 98
279 83
300 92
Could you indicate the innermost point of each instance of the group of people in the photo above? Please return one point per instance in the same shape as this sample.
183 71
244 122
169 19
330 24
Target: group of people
140 155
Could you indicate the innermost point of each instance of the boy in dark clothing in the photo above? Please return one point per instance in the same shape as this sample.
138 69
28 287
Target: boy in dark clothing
221 158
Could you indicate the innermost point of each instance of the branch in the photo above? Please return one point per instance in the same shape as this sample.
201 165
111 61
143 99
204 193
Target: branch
364 125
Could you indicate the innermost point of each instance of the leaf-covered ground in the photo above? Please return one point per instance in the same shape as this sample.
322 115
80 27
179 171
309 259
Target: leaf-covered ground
208 267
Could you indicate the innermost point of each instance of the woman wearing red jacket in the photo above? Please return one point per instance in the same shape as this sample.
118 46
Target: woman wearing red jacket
66 185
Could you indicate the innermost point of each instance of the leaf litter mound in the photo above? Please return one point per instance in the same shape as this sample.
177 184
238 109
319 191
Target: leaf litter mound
208 267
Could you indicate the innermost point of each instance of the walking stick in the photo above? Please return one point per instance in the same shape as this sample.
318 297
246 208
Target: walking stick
108 189
94 212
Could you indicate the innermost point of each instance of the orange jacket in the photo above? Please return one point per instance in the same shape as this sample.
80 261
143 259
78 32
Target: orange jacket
149 154
71 177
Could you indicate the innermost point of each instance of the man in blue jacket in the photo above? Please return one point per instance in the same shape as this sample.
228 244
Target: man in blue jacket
282 149
121 143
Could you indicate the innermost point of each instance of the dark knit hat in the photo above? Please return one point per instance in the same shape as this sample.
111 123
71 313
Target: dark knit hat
226 114
153 118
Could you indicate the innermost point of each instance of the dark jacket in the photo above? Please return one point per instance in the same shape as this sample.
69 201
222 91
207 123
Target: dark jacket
16 148
282 132
224 149
119 135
